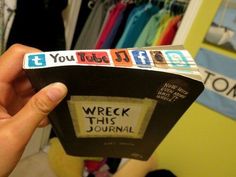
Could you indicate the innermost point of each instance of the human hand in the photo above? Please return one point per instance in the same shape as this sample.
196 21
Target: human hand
21 110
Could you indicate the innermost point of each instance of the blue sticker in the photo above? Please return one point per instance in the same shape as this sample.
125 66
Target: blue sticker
37 60
141 58
177 59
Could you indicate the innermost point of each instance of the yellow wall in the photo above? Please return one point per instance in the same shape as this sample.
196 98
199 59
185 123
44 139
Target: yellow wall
203 143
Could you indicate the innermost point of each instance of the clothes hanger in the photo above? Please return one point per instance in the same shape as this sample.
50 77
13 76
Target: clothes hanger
170 7
91 3
178 7
166 4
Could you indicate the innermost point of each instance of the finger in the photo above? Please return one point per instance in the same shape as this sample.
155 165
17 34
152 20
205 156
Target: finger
3 113
44 122
23 86
11 61
37 108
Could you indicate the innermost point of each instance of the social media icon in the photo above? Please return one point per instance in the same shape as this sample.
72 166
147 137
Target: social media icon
36 60
141 58
121 57
96 57
177 59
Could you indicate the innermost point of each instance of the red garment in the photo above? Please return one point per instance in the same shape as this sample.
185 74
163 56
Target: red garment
169 33
114 13
93 165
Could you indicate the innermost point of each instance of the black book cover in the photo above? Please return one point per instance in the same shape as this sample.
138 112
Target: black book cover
120 103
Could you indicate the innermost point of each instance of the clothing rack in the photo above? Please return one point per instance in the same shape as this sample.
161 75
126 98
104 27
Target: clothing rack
93 36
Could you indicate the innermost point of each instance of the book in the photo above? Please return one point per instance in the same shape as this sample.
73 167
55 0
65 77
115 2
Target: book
120 102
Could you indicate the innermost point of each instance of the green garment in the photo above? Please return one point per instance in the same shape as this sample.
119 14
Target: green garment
150 30
164 22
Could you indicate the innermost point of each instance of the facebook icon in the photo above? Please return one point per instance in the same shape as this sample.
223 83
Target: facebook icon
37 60
141 58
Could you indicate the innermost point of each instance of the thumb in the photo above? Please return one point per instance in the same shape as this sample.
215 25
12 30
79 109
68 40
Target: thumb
38 107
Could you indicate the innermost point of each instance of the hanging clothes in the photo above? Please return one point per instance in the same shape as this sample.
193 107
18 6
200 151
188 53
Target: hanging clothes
162 27
135 24
39 24
166 32
83 15
150 30
93 25
128 24
111 26
163 24
105 21
121 28
169 32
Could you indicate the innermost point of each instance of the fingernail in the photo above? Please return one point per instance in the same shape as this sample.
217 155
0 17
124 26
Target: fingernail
56 91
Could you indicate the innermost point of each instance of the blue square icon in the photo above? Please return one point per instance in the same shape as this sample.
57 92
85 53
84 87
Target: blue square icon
141 58
37 60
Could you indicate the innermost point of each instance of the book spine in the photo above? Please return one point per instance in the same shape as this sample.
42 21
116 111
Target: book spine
177 61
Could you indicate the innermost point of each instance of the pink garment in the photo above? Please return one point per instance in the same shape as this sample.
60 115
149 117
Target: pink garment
114 13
